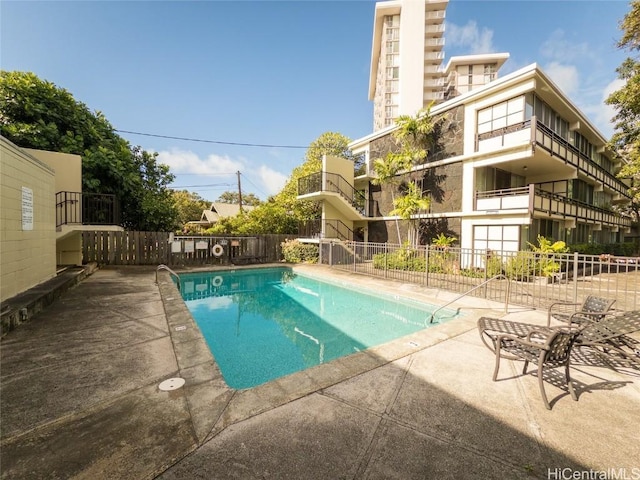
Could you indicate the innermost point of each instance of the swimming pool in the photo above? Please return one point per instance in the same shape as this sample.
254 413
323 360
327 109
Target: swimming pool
261 324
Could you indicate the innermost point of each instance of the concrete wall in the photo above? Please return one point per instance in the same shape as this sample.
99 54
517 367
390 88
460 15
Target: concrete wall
27 257
68 178
68 168
338 165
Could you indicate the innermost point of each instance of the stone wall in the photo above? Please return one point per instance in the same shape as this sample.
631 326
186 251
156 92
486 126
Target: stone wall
443 184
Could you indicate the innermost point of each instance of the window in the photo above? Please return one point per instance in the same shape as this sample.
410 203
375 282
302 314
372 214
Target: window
582 234
547 228
501 115
393 73
581 191
489 72
498 238
392 85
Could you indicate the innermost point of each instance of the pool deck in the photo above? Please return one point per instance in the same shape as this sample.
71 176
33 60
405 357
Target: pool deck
79 398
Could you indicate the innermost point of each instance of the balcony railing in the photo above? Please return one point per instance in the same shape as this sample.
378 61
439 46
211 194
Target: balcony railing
438 28
332 182
434 55
436 15
558 146
534 199
326 229
434 42
86 209
543 137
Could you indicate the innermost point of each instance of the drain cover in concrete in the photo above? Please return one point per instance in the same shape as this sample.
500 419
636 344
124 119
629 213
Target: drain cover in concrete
171 384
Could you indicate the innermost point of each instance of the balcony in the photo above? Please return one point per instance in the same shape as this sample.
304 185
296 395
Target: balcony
336 190
533 200
434 82
435 29
433 56
434 42
76 208
551 151
436 15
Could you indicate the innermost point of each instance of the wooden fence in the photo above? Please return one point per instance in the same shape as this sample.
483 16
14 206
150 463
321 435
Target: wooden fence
154 248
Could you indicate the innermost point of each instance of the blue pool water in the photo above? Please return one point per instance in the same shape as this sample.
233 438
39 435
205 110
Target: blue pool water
265 323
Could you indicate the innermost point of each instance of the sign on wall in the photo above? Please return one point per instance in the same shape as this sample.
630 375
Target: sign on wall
27 208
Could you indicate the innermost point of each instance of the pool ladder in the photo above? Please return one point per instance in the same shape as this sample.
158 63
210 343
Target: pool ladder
171 272
495 277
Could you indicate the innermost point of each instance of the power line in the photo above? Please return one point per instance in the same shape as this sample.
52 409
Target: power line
205 174
209 185
263 145
254 185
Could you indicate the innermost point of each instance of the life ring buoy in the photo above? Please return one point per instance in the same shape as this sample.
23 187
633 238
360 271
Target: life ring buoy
217 250
217 281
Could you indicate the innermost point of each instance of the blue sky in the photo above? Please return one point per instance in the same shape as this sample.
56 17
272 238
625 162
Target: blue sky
276 72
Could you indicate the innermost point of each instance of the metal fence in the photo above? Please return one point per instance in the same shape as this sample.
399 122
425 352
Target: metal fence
86 209
532 279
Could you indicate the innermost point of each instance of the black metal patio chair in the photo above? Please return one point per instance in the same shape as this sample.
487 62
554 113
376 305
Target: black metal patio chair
609 337
546 347
589 310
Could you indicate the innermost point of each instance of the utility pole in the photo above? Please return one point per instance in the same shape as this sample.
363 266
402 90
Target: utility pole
239 192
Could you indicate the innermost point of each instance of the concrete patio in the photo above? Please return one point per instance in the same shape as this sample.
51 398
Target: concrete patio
80 399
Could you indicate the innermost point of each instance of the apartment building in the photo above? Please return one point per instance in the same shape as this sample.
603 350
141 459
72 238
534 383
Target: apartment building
514 158
406 58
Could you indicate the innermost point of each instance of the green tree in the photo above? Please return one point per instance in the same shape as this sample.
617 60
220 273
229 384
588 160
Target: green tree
189 206
35 113
387 170
328 143
283 212
626 101
233 197
409 204
415 137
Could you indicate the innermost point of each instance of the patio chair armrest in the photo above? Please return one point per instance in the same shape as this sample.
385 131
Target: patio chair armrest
557 304
522 341
565 304
588 316
540 332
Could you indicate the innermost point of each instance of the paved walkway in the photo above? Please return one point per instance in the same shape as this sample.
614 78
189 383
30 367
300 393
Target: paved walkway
80 399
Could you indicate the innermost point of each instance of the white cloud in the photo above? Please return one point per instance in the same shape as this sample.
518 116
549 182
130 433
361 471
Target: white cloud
603 113
185 161
558 48
564 76
272 180
470 36
266 180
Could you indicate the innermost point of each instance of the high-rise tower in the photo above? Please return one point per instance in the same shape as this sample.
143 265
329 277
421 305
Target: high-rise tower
406 58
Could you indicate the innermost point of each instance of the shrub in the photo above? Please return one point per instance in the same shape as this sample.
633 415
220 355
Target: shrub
403 259
521 266
494 265
295 251
626 249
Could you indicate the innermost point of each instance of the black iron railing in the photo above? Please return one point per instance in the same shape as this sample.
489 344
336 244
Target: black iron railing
547 139
325 229
332 182
552 203
86 209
